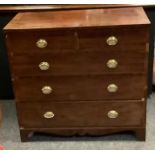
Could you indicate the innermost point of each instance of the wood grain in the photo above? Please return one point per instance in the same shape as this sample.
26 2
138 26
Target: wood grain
77 52
78 39
83 62
78 18
93 113
80 88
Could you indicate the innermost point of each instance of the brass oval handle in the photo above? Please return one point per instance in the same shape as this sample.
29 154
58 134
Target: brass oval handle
49 114
44 66
41 43
112 63
46 90
112 41
112 88
112 114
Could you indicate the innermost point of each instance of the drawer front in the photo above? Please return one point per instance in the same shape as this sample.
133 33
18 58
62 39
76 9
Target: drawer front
126 38
77 39
80 88
81 114
28 42
80 63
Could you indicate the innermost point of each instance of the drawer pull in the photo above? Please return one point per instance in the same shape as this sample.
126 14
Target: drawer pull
49 114
44 66
41 43
112 114
112 63
112 41
46 90
112 88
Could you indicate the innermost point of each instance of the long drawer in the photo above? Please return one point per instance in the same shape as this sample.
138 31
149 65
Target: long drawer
83 62
70 114
60 88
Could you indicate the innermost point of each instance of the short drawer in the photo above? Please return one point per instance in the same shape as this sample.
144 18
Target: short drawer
80 88
84 62
81 114
119 38
24 42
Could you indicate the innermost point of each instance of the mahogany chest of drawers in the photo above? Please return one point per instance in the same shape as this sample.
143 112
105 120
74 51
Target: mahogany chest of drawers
79 72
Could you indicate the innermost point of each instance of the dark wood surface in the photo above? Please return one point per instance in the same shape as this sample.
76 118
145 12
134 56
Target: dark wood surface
78 18
27 133
69 54
71 63
79 39
80 88
81 114
10 11
88 93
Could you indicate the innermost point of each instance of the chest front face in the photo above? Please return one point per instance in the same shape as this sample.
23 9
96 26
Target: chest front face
71 80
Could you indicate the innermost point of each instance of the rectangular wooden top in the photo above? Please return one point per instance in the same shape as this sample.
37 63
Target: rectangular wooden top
78 18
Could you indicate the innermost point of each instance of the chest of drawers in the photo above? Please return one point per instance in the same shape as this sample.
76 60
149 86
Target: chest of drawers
79 72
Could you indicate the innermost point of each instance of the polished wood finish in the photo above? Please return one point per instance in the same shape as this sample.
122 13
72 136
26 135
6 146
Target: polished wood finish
80 87
78 18
71 63
78 100
78 39
69 114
